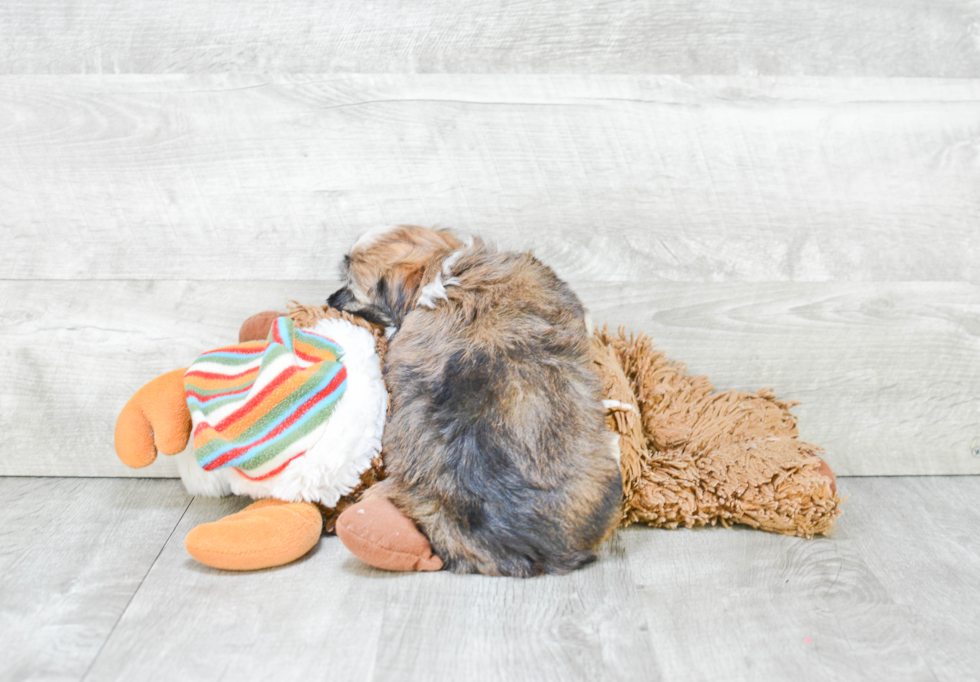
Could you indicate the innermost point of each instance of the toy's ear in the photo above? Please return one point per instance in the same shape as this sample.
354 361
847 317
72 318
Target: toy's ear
256 328
155 418
397 291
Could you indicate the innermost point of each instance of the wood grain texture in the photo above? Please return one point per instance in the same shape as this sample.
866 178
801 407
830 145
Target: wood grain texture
317 618
887 372
328 616
743 605
898 38
920 538
72 554
890 595
612 178
588 625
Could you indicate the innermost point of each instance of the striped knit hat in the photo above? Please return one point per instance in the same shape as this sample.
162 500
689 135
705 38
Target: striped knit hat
257 406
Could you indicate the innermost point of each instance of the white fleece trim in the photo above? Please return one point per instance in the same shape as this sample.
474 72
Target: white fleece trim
197 480
351 437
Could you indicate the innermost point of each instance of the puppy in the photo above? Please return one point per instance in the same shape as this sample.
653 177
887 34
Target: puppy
496 444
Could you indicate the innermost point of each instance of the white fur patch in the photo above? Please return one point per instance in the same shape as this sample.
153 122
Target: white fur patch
197 480
435 291
432 292
351 438
616 452
617 406
447 265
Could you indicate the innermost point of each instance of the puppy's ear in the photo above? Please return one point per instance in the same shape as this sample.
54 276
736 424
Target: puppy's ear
397 290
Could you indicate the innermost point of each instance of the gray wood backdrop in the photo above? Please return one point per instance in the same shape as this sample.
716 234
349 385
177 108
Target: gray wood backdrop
783 194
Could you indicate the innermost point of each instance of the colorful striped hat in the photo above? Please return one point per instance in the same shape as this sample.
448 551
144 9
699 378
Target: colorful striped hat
257 406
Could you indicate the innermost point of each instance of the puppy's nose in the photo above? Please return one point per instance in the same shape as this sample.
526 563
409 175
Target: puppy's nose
341 299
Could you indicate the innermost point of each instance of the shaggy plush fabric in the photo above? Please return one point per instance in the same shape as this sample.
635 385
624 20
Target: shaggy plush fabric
692 457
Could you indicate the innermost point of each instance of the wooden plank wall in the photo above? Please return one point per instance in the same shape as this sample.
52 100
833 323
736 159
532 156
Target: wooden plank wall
783 194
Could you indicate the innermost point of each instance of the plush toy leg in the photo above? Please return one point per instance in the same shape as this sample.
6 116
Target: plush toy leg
264 534
155 418
379 534
256 328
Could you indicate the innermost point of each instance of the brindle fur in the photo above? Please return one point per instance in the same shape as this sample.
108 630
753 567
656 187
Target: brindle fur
496 442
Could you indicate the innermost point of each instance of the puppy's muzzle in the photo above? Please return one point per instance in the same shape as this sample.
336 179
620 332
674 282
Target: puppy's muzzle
344 299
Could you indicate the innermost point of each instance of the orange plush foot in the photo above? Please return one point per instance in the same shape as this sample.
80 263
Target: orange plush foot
379 534
264 534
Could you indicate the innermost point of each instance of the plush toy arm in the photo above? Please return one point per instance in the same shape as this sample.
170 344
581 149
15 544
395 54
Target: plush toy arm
155 418
256 328
379 534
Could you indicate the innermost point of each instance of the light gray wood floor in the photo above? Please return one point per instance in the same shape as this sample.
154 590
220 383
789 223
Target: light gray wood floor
97 586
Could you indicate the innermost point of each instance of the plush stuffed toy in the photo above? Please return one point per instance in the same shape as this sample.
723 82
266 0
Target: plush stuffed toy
295 422
693 457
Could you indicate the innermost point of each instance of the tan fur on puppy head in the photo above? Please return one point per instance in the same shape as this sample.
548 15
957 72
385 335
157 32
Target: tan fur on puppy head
386 270
401 252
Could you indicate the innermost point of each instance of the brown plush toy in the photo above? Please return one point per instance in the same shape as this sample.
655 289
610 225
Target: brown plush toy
689 457
257 388
693 457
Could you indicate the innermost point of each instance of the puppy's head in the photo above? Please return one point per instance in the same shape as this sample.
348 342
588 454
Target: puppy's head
385 271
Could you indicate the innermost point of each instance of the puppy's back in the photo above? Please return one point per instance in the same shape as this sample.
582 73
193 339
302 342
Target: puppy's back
496 443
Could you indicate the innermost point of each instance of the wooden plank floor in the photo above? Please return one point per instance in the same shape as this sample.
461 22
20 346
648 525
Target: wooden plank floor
97 586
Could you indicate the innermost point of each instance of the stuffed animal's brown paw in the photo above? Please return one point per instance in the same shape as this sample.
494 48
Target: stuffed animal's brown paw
256 328
379 534
825 469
